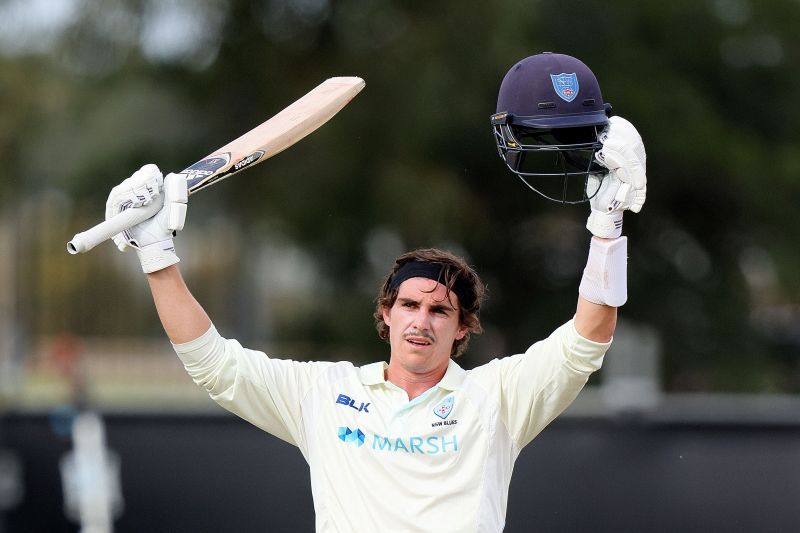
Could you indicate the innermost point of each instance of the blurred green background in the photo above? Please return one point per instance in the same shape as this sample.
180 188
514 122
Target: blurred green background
288 256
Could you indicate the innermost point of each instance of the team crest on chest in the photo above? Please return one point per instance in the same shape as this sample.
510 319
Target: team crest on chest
444 408
566 85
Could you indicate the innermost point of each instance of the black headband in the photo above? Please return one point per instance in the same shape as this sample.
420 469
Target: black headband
424 269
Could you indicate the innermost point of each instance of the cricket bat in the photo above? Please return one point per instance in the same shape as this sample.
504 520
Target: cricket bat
262 142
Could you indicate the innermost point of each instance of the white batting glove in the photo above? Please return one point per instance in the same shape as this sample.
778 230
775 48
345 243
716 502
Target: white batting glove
625 185
152 239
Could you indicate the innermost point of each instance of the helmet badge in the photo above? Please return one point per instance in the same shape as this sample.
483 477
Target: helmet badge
566 85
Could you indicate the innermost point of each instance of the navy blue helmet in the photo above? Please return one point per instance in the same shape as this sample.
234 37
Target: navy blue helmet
550 112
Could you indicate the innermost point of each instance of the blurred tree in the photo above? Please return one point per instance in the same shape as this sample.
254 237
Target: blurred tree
108 86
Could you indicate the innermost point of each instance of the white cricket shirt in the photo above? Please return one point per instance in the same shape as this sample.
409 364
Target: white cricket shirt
379 462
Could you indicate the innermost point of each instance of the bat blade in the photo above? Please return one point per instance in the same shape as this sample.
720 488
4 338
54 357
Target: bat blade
276 134
262 142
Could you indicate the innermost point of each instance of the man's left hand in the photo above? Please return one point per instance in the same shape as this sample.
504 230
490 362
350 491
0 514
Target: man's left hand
624 187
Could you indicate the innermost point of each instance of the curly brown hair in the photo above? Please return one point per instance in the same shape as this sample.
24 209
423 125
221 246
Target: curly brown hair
453 269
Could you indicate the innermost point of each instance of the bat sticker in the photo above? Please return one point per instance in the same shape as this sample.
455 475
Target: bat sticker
207 166
204 169
208 171
251 159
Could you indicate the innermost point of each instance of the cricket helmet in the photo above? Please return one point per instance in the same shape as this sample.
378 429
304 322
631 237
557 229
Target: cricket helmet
550 113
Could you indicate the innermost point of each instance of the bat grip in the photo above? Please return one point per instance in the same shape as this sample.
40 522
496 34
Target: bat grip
86 240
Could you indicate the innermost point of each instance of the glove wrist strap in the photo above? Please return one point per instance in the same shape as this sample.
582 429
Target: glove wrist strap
606 225
157 256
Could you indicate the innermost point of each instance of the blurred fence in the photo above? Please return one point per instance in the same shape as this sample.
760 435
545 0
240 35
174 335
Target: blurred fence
584 473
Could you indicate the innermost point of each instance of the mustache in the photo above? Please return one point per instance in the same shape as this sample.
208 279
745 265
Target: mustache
418 333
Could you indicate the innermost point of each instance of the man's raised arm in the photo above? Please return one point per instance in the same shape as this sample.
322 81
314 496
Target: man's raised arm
604 286
182 317
595 322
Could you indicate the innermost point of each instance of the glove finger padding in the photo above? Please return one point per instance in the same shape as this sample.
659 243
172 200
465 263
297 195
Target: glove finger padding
623 149
136 191
142 188
639 197
630 168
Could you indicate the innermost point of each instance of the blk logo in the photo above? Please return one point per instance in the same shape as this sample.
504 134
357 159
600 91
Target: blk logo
346 400
351 435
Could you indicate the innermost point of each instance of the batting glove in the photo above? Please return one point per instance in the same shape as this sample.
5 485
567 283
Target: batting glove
624 187
165 196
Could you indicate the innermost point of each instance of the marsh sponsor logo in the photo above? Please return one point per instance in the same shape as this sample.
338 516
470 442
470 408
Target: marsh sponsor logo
432 445
355 436
412 445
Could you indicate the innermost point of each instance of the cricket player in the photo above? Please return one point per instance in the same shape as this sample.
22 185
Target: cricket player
419 444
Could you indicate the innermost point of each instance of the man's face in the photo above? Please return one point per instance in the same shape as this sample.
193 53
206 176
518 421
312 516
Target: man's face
423 324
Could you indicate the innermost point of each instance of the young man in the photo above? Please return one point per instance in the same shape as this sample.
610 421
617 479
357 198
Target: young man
419 444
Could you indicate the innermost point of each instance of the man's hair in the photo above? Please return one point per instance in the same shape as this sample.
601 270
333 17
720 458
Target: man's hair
454 270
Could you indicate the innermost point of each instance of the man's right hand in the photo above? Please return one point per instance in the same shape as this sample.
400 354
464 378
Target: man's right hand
152 239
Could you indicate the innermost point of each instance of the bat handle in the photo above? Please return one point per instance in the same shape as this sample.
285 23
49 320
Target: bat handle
86 240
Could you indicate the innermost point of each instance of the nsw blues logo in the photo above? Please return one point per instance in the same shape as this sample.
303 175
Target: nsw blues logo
566 85
444 408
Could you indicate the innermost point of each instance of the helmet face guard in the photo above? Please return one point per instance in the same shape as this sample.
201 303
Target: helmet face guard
555 163
549 116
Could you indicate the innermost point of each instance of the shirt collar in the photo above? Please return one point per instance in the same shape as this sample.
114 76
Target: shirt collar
373 374
454 376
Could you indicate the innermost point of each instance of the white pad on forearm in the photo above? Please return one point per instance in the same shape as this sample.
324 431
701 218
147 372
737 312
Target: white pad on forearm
605 278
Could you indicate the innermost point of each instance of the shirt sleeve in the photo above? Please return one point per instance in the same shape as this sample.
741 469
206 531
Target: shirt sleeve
264 391
538 385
